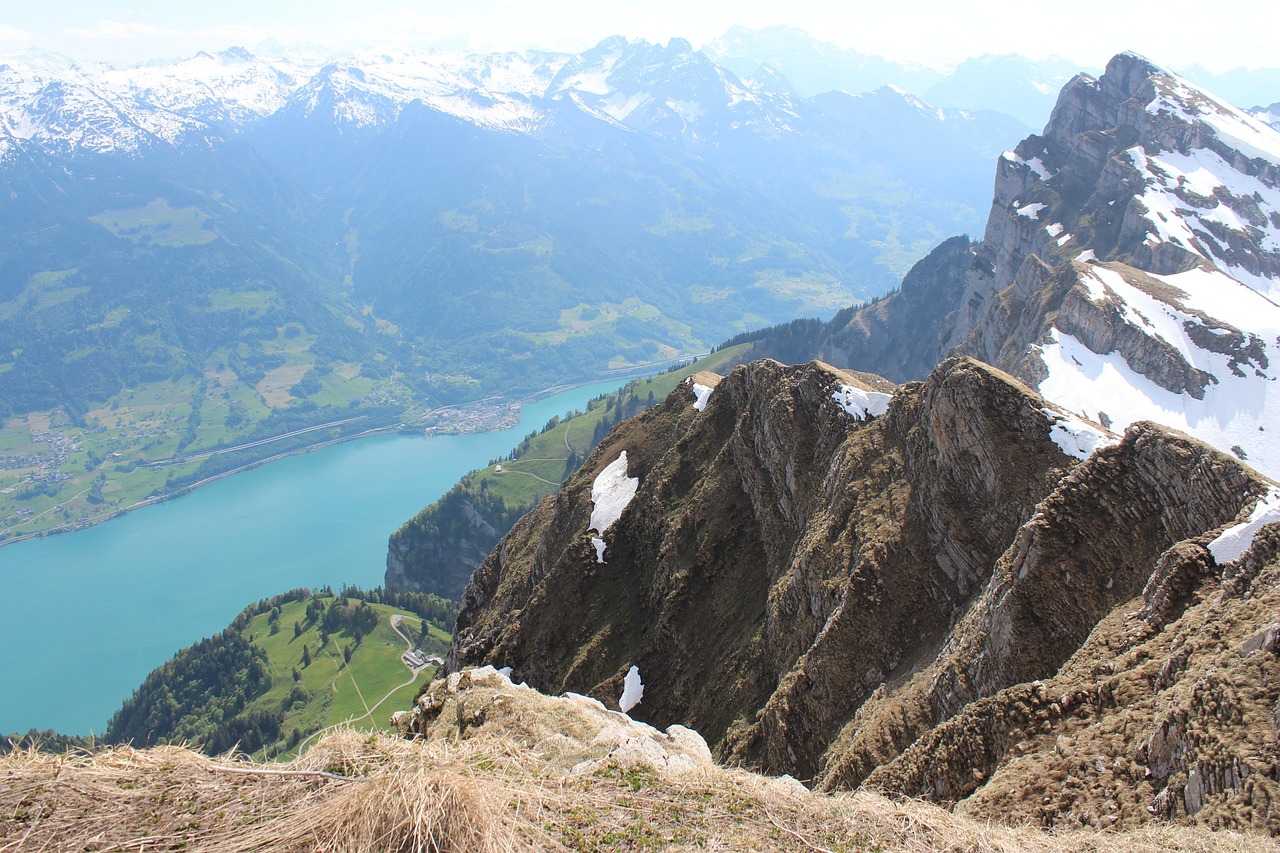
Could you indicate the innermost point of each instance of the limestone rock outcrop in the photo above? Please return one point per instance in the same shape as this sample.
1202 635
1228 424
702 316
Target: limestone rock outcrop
570 733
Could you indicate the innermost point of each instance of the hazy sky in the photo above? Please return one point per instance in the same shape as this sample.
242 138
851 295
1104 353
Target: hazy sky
1176 33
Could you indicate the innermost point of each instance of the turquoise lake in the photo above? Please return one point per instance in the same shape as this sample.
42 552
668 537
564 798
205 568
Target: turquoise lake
87 615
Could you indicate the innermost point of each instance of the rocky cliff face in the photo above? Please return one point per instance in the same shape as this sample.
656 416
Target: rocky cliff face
1130 268
903 336
930 592
437 549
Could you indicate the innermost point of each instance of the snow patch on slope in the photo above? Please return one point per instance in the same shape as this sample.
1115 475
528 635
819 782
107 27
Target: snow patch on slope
1076 437
1238 412
1233 542
861 404
611 491
632 690
701 394
1189 196
1236 128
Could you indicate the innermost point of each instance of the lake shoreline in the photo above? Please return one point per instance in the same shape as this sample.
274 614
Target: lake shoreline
130 593
499 422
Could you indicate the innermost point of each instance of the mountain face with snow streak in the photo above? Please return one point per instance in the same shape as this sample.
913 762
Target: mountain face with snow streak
973 592
1130 268
1146 222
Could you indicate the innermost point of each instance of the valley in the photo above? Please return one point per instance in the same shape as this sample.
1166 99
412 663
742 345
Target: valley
239 247
153 441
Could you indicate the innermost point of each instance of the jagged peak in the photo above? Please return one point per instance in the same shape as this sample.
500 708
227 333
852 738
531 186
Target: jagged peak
1126 74
679 46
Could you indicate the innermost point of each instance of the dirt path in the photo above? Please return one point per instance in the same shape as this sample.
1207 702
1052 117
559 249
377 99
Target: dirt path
527 474
395 620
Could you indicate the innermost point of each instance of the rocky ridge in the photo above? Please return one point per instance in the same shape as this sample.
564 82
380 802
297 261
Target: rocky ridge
929 596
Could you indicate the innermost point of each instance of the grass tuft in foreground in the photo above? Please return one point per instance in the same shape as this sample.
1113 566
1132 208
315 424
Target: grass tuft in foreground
365 792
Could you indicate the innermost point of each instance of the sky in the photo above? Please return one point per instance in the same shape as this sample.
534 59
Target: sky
1173 33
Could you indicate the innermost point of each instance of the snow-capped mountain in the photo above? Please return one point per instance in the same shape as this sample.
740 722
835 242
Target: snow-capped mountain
1130 268
68 111
668 90
1174 259
671 91
494 91
479 204
231 88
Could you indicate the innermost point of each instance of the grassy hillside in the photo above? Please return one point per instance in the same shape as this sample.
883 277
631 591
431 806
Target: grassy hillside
286 668
61 471
363 690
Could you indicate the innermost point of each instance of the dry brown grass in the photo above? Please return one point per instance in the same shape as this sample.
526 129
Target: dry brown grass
382 793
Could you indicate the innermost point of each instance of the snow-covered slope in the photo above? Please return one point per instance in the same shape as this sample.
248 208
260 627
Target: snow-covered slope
496 91
1220 328
672 91
233 87
67 111
1131 264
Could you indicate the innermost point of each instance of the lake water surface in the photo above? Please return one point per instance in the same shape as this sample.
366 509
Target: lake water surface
87 615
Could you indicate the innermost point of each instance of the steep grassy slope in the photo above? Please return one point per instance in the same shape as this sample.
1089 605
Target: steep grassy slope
333 689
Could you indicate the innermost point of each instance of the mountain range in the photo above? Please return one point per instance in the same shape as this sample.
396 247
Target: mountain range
1010 83
1006 538
1129 268
1066 292
498 190
202 254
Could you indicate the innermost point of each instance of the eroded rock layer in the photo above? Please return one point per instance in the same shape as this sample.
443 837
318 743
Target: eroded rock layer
942 593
